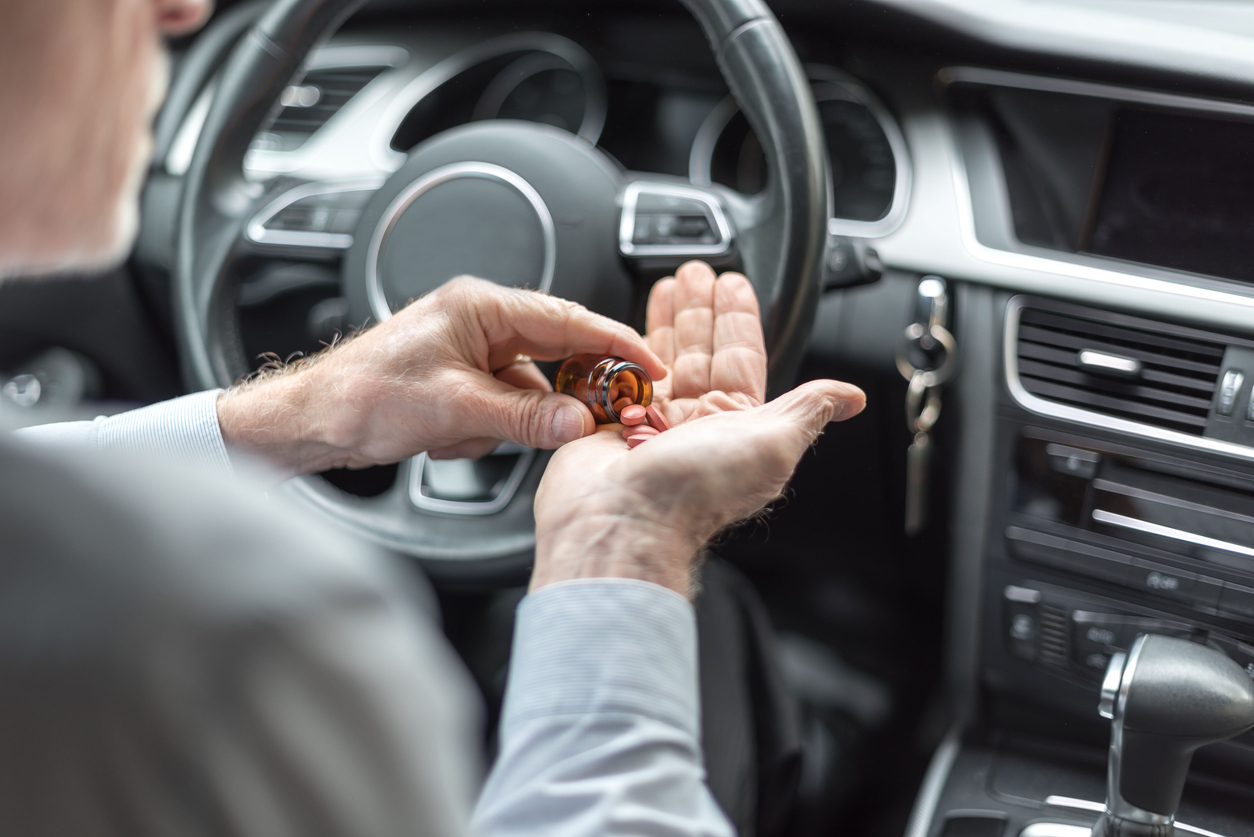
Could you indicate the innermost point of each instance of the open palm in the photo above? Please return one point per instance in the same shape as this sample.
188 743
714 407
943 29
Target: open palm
708 333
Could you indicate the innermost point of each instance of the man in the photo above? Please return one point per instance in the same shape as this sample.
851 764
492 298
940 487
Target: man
178 656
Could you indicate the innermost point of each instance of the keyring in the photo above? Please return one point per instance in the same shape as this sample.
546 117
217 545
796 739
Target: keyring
932 377
922 413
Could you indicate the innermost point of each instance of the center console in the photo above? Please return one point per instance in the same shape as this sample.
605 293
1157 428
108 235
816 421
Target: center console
1118 506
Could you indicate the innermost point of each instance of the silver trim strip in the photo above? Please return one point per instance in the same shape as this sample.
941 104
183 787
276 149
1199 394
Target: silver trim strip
1041 406
258 234
498 503
1136 525
485 171
933 785
1045 84
595 106
1167 500
1079 804
1054 829
627 225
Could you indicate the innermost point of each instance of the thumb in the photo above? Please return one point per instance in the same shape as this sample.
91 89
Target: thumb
529 417
815 404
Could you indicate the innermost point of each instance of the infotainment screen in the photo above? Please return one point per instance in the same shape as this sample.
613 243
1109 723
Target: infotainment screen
1177 191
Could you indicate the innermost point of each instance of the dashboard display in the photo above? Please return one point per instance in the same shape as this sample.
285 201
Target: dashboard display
865 162
1177 193
540 87
864 171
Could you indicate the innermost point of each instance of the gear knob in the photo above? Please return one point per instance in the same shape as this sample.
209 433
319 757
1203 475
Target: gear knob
1166 697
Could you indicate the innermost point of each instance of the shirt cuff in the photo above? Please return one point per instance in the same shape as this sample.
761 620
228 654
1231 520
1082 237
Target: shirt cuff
601 646
184 428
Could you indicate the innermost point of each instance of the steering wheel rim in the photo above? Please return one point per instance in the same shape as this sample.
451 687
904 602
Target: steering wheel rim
781 241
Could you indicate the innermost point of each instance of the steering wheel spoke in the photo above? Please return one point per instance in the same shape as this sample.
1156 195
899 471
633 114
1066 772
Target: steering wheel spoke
673 221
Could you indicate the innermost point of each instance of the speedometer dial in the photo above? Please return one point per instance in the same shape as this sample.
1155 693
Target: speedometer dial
867 154
864 169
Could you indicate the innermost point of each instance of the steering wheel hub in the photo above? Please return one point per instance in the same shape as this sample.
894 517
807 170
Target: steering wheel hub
470 218
515 202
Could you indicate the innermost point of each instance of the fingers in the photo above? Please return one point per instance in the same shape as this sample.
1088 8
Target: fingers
738 360
815 404
660 319
516 322
524 376
527 416
693 329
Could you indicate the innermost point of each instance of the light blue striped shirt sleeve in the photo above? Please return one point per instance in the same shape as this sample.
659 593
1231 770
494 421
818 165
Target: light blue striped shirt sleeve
600 732
184 428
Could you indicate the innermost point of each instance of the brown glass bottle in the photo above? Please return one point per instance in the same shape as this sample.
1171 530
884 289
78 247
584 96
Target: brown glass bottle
603 382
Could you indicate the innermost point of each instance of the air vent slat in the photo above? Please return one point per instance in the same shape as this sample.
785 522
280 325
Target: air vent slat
1128 409
335 88
1173 389
1031 368
1120 334
1037 334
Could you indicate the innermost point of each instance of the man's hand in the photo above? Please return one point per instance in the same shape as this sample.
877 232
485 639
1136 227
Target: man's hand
440 376
605 511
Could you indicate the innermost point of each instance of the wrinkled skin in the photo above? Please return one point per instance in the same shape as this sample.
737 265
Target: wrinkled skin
439 376
603 510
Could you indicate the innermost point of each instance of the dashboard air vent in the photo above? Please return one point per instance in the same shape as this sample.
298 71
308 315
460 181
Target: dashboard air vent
308 106
1133 369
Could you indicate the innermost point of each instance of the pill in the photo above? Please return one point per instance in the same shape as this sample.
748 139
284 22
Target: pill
632 414
622 404
637 439
656 419
639 430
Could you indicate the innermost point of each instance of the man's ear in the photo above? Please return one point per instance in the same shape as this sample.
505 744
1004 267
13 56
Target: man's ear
181 17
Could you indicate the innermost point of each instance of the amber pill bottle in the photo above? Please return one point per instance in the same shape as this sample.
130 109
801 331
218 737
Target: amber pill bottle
603 382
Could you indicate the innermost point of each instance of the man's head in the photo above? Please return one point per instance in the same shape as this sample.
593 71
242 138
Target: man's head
80 81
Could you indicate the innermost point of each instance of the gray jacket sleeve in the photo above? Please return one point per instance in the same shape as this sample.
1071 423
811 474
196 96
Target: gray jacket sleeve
600 732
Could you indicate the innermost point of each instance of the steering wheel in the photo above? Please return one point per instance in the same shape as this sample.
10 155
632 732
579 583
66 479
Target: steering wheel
572 220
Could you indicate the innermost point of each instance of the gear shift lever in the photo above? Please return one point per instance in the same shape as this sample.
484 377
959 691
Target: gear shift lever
1166 697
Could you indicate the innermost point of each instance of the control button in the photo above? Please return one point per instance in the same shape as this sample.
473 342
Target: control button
1237 601
1023 628
1162 580
1229 388
1075 462
1096 661
1021 621
1105 633
673 228
1100 631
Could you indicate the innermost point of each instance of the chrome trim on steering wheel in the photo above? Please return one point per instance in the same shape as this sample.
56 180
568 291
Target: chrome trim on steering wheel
458 507
484 171
259 234
627 226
